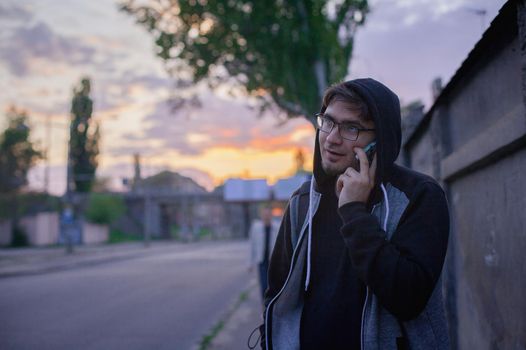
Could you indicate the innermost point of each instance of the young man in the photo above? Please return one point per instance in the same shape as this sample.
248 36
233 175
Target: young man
360 250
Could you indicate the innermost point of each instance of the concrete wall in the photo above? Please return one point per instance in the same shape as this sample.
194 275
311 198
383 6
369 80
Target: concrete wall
473 141
6 232
489 208
94 234
41 229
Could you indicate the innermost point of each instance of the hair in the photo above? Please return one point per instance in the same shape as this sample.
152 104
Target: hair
341 92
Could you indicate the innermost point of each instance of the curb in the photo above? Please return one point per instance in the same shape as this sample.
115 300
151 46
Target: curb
67 266
80 259
238 322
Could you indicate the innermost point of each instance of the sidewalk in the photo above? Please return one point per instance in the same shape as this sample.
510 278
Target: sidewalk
30 261
240 324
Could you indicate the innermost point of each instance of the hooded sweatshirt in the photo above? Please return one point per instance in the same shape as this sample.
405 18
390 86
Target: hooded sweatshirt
377 262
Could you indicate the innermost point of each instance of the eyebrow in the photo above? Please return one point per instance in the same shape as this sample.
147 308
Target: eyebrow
353 122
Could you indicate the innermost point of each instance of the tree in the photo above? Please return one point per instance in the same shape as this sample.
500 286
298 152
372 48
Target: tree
84 140
284 52
103 209
17 153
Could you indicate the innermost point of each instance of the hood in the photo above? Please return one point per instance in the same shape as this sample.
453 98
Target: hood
384 106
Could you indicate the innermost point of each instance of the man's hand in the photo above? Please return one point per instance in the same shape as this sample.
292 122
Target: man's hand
353 186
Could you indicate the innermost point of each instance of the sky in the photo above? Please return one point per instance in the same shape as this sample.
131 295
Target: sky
47 46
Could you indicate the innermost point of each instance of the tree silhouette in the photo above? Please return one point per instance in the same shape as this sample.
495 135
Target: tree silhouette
84 139
17 152
283 52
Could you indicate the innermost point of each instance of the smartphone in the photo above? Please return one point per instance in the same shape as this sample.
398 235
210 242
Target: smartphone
369 151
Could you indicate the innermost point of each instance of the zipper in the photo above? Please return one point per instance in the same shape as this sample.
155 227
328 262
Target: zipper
284 284
362 332
363 319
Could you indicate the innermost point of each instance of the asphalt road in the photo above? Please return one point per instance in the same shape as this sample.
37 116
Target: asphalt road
167 300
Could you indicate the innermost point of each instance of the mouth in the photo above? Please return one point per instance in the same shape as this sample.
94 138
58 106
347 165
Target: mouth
333 153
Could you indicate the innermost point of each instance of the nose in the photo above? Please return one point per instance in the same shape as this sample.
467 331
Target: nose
334 135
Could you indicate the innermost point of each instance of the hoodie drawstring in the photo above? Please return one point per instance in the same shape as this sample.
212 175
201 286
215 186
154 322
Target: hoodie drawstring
386 206
309 245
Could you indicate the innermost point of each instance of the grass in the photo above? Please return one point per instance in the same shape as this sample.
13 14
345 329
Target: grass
117 236
207 339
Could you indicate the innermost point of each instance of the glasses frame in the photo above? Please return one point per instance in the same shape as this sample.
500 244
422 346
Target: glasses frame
320 118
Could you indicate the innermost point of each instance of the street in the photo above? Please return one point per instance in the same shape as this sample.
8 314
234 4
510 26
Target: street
167 300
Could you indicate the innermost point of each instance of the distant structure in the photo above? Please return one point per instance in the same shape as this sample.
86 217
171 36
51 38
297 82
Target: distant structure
300 161
137 169
244 197
167 182
169 205
436 88
473 140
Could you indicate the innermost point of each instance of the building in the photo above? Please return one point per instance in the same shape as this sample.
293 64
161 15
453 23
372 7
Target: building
473 140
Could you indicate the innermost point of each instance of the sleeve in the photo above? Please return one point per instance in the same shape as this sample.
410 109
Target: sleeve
278 267
401 272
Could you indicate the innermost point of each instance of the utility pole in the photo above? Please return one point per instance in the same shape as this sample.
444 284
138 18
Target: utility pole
69 211
48 153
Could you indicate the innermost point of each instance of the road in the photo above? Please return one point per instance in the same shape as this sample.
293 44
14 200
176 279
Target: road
164 301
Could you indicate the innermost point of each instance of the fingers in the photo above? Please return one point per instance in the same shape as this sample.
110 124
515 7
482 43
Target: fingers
339 185
350 172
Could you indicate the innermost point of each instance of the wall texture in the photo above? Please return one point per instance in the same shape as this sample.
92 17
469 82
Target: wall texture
473 140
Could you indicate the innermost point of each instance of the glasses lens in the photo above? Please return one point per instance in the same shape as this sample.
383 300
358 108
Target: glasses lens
325 124
319 121
349 132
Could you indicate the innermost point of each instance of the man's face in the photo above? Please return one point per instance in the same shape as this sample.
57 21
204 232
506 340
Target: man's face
337 153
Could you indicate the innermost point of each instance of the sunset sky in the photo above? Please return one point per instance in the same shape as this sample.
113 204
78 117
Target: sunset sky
46 46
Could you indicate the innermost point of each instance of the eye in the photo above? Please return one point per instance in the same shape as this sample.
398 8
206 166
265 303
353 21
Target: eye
350 127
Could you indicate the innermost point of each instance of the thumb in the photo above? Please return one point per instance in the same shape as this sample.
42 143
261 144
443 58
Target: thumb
339 186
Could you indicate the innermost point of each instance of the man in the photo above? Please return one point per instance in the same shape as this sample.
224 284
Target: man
263 235
360 250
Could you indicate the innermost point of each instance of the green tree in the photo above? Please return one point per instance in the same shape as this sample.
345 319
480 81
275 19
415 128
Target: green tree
289 51
17 153
104 208
84 139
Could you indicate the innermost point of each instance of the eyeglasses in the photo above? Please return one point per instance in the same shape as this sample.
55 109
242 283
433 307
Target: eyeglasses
347 130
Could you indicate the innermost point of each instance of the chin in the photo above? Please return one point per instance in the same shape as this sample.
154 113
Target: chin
333 169
336 169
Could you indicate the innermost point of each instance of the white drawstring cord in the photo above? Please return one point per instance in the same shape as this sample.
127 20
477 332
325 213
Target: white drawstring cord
386 205
307 279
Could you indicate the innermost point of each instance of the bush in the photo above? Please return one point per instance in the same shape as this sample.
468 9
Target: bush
103 209
117 236
19 238
22 204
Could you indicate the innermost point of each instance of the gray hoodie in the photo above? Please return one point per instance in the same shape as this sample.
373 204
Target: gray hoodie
397 243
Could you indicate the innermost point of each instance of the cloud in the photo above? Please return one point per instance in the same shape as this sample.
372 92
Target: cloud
12 11
56 181
389 15
39 42
219 123
433 42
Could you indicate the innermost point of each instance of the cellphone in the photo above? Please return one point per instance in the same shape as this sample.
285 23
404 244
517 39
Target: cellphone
369 151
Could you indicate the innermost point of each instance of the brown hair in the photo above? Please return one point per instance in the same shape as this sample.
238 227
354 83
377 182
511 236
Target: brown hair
341 92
